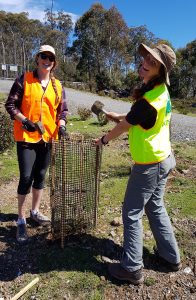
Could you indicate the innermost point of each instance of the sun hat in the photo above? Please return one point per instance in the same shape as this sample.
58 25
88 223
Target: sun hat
46 48
163 53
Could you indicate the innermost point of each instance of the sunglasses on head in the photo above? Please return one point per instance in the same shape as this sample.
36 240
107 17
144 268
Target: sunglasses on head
45 56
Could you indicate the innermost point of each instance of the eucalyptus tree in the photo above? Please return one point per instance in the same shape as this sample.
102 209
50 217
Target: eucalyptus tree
115 44
89 34
138 35
3 25
19 37
187 76
59 26
100 43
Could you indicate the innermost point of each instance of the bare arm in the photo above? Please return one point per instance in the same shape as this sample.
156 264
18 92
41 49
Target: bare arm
112 116
119 129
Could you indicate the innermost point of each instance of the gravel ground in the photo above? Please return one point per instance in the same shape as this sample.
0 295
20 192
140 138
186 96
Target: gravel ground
183 127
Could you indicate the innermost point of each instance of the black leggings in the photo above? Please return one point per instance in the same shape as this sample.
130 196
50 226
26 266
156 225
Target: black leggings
33 160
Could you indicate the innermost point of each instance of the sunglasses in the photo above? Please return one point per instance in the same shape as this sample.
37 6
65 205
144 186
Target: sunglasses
45 56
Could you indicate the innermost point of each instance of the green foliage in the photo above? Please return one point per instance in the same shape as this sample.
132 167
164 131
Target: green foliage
6 134
103 81
2 98
149 281
8 165
131 80
103 52
184 106
78 271
102 119
84 113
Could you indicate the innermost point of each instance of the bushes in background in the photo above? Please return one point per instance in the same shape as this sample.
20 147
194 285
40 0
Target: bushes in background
84 113
6 131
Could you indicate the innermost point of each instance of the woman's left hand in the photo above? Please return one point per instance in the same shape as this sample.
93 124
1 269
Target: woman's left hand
98 142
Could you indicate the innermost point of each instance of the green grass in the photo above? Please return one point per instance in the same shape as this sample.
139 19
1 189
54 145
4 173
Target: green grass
77 271
184 106
8 165
2 97
90 127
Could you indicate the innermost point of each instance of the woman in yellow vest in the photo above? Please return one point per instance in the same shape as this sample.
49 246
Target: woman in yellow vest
149 139
37 104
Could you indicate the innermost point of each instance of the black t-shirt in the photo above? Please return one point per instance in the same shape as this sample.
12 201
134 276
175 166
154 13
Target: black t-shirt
142 113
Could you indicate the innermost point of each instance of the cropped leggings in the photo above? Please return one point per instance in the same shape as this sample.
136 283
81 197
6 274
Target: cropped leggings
33 160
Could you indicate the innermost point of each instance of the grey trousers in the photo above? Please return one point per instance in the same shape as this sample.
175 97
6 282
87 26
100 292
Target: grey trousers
145 191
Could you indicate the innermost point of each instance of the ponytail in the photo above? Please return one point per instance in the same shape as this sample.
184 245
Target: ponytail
54 87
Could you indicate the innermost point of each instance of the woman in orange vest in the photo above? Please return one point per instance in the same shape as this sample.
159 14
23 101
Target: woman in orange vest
37 104
149 138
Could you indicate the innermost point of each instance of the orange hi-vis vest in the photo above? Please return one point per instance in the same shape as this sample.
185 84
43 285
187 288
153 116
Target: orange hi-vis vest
38 105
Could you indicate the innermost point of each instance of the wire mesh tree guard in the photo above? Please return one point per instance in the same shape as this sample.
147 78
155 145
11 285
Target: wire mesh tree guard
74 185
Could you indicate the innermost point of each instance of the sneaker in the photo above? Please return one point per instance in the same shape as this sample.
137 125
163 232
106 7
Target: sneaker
167 264
21 234
117 271
40 218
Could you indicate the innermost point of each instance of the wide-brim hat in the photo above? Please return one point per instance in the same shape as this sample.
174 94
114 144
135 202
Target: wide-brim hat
163 53
46 48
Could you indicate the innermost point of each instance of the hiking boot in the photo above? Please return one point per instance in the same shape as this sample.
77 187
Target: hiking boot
40 218
117 271
21 234
170 266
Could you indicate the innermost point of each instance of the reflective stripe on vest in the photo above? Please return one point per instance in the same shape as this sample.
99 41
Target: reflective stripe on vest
153 145
38 105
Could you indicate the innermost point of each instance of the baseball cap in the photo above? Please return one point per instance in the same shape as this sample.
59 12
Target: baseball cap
46 48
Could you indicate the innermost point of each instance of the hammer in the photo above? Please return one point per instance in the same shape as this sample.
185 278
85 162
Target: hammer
100 112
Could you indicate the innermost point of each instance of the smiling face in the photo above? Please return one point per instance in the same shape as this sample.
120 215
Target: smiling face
45 61
150 68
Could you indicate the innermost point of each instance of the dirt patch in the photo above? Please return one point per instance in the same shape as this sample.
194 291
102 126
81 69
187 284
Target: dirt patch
41 256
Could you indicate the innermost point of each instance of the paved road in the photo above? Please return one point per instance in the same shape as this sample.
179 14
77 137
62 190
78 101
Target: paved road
183 127
79 98
5 85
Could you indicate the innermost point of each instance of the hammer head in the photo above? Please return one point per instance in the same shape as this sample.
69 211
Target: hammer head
97 109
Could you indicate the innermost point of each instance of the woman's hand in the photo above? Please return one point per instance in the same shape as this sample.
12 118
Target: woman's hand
102 141
98 142
28 125
62 132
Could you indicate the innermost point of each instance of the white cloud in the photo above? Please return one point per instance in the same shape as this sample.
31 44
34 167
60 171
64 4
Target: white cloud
35 8
13 5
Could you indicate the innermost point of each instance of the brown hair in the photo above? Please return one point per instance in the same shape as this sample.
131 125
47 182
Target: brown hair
54 86
139 92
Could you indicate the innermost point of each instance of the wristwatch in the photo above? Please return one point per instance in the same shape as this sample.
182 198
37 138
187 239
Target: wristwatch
102 141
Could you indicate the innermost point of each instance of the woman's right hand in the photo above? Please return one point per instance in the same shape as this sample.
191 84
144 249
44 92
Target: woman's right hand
28 125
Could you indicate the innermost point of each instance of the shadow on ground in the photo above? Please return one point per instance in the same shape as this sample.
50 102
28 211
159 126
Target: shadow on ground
82 253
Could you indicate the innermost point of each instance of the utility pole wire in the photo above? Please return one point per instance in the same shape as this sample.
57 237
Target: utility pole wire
51 7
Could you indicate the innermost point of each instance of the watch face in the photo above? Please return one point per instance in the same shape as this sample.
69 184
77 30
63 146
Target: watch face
102 118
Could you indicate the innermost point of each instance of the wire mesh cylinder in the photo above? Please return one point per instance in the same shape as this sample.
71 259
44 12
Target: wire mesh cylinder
74 185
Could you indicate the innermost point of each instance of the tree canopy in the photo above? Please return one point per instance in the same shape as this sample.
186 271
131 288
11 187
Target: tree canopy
100 50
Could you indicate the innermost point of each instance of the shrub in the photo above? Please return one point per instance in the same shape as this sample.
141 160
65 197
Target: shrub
102 119
84 113
101 93
6 133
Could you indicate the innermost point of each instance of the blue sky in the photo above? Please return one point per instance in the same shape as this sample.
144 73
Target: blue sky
173 20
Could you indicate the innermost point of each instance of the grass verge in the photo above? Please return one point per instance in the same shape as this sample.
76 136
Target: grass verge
79 270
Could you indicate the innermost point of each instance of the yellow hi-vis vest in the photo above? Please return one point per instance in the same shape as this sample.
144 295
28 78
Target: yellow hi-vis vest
153 145
38 105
